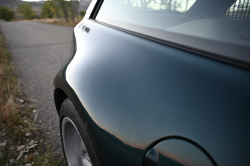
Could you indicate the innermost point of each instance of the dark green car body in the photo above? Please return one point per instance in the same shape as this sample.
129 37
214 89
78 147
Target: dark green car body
137 93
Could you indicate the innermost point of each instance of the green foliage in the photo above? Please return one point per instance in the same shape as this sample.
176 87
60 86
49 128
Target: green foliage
48 9
67 9
82 13
26 11
61 8
6 14
64 8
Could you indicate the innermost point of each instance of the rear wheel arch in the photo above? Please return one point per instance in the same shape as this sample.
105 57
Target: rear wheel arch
63 94
59 97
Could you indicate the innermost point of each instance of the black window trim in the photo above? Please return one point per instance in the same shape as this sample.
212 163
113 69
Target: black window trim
96 9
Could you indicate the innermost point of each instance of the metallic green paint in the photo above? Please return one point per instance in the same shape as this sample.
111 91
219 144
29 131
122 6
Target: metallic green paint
132 93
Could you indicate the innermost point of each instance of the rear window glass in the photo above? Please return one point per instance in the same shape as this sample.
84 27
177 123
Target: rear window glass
217 26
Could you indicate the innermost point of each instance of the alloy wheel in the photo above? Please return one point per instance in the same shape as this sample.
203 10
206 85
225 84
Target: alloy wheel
74 148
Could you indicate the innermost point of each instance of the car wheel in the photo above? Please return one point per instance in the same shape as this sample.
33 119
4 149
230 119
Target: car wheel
77 146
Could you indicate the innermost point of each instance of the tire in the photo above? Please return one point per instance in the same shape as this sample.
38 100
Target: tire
77 146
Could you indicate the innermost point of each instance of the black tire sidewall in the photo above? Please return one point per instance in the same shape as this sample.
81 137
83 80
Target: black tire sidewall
68 110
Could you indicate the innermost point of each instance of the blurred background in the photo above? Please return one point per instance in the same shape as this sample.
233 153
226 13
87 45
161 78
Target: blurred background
62 12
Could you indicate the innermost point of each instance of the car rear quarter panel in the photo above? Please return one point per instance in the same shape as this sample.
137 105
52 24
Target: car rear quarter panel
135 92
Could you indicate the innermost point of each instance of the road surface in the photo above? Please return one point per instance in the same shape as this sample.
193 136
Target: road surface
38 51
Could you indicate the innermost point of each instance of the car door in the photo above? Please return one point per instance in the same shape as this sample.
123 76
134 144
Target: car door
147 75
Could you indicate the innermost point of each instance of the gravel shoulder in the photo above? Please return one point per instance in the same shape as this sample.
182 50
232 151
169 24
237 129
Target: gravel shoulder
38 51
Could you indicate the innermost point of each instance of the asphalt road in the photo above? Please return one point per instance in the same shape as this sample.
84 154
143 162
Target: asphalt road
38 51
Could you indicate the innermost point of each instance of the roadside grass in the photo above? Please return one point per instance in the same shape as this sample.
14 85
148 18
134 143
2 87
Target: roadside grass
22 141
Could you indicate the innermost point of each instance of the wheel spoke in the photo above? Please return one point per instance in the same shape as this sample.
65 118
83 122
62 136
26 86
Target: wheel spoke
75 150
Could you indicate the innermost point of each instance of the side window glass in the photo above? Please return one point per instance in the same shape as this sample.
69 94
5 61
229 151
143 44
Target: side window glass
217 26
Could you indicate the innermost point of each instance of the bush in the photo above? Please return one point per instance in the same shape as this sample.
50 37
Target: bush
26 11
6 14
37 16
48 9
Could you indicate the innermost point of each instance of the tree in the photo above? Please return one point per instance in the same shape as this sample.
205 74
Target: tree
6 14
66 8
63 7
48 9
26 11
75 6
72 11
175 5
